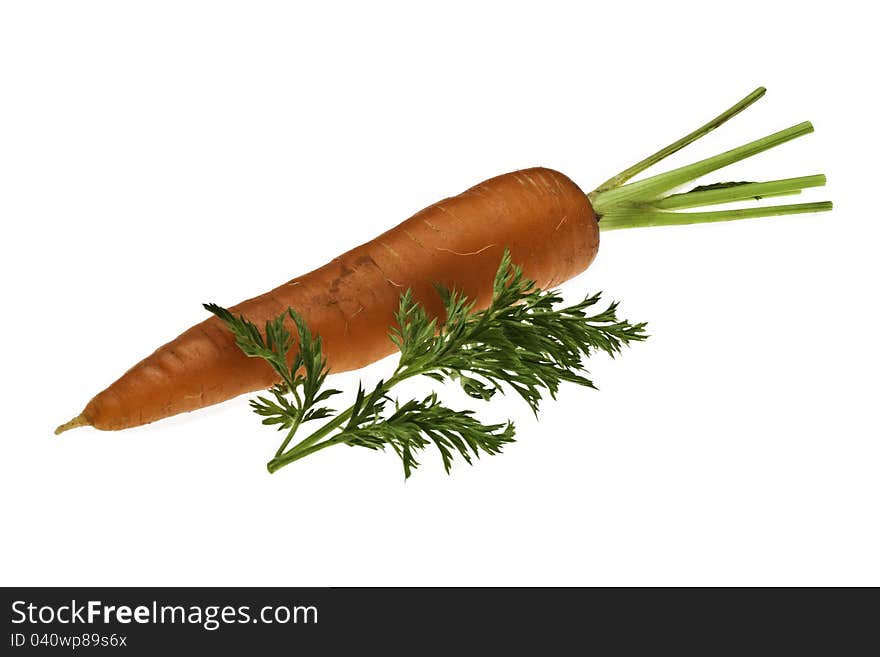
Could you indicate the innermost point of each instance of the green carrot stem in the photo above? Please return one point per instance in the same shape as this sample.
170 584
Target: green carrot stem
289 436
311 444
676 146
283 457
638 218
290 456
738 192
650 188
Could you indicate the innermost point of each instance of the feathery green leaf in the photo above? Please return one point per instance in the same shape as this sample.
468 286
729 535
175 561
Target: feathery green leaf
522 342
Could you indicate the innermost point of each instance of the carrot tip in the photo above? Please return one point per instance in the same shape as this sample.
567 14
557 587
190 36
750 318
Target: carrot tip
78 421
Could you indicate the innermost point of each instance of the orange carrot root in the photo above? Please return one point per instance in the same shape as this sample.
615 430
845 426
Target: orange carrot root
540 215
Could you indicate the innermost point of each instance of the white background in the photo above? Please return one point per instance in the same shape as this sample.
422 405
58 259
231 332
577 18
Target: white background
157 155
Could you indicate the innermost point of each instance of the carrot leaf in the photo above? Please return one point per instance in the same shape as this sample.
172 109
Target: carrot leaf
302 376
525 342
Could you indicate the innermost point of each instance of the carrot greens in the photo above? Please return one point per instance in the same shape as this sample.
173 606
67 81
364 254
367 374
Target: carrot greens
523 342
648 202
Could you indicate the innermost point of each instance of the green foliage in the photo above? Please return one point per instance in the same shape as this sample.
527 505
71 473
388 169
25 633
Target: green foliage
522 342
419 423
302 379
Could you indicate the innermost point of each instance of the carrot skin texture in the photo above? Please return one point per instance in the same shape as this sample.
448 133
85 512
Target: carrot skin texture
543 217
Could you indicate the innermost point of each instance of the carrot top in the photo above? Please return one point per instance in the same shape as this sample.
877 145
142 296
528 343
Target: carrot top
648 202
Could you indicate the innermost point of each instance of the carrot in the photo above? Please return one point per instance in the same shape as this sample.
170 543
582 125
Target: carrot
548 224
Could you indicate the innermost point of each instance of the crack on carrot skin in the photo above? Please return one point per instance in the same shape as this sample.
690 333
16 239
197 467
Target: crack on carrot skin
381 271
446 210
204 331
558 199
355 292
431 226
534 184
488 246
199 395
392 251
171 351
543 179
496 205
414 238
542 184
559 185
